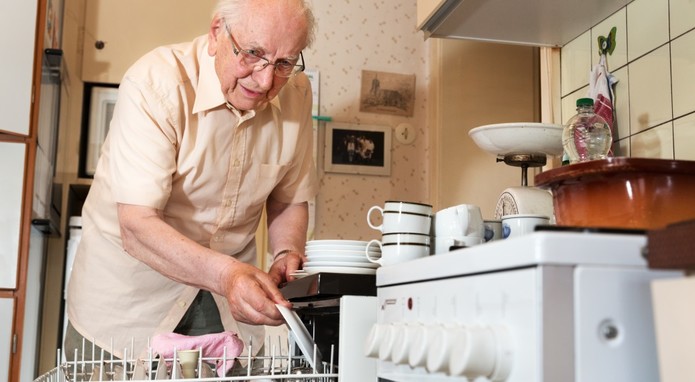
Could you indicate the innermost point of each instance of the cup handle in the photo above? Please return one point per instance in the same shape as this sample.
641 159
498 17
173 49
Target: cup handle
366 251
369 215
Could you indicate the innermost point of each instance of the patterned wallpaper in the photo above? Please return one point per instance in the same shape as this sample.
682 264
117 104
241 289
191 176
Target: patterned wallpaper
352 36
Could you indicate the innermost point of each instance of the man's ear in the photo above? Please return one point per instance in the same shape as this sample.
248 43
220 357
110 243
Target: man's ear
215 34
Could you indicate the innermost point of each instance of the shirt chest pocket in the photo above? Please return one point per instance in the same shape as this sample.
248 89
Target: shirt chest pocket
268 177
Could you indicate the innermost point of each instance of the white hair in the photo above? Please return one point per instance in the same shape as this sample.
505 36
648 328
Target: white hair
233 11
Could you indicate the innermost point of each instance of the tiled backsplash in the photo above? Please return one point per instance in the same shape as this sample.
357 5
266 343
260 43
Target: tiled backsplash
654 62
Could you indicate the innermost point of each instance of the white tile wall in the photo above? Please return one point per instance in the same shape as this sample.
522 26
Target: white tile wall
683 137
621 105
653 143
619 56
654 61
647 26
682 16
575 63
650 90
683 68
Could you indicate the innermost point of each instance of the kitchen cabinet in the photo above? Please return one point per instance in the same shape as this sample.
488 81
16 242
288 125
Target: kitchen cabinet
18 27
527 22
6 335
12 159
118 32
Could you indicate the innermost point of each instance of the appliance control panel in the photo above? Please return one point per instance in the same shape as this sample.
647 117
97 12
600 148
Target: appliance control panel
458 329
544 323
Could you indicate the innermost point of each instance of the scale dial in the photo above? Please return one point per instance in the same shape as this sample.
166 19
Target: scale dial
506 205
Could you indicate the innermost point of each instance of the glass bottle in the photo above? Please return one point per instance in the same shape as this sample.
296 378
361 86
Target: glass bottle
586 135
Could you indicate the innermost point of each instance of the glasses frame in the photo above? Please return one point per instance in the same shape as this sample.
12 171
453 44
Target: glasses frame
263 62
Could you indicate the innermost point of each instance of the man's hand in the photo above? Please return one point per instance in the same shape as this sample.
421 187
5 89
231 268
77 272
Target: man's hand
252 295
284 265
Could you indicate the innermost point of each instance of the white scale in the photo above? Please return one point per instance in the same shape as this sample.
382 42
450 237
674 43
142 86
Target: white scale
545 307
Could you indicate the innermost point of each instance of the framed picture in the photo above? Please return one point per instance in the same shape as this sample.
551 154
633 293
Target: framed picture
97 110
387 93
357 149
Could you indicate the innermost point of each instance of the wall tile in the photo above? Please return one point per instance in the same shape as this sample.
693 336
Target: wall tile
621 104
647 26
575 63
683 68
684 137
682 19
650 90
569 103
619 56
622 148
653 143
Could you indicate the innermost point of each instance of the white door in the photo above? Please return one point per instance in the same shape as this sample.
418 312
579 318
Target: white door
12 157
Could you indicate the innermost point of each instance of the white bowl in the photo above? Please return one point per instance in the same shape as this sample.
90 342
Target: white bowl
519 138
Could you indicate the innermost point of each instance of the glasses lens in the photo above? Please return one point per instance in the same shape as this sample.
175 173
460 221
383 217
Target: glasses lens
249 58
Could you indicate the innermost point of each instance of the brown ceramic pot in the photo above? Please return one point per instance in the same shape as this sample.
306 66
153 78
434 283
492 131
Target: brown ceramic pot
622 192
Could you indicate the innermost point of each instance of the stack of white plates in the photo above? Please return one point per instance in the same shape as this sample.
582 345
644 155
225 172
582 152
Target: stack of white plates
340 256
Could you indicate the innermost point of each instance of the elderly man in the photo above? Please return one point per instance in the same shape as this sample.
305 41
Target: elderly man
204 135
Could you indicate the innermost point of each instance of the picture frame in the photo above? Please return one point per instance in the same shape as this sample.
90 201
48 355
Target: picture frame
357 149
387 93
97 110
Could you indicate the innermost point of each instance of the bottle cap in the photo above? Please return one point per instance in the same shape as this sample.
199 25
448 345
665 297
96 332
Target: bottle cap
585 102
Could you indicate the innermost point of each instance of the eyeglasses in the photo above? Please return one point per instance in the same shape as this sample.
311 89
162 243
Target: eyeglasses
283 67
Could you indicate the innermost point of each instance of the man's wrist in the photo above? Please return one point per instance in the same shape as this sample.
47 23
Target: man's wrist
283 253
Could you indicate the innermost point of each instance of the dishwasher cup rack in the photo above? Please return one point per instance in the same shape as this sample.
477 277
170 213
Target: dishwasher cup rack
280 367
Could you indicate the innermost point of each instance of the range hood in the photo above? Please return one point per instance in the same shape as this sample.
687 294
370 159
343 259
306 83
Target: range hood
527 22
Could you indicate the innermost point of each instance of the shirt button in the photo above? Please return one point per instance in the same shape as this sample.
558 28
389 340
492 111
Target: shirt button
182 304
236 162
227 202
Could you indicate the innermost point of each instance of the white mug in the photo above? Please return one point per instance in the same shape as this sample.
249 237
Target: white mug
522 224
464 220
493 230
188 359
402 217
399 247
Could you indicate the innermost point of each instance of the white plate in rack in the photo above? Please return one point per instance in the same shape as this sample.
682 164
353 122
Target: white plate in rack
304 341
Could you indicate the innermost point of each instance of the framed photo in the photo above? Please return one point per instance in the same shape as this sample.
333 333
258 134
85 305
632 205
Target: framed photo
97 110
357 149
387 93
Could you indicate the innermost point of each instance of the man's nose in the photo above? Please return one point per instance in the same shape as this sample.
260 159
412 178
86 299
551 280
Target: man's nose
264 77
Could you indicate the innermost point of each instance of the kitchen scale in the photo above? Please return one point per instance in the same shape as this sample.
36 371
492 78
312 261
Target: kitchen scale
523 145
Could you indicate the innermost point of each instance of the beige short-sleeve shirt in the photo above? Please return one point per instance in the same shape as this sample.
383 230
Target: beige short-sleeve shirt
175 146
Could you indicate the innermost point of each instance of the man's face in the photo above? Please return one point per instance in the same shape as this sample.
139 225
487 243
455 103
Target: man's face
267 35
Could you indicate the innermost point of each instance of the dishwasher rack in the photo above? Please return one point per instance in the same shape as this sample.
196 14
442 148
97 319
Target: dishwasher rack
280 367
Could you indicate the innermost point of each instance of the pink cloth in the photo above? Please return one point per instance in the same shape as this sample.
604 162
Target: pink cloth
212 345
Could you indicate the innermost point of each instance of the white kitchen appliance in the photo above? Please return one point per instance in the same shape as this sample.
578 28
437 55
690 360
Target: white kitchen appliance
523 145
545 307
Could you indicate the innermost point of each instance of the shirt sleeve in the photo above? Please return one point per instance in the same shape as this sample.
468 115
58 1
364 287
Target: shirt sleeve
143 145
